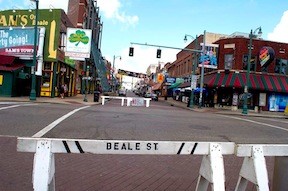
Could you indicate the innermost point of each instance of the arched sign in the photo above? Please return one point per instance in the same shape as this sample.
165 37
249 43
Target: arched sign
266 56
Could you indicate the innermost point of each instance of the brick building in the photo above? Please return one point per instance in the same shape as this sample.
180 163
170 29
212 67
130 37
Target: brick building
224 84
268 80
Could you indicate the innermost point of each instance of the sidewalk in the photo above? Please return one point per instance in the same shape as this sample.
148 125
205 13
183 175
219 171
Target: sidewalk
79 99
226 111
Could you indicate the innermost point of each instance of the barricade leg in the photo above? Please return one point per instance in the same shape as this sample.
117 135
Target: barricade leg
103 100
129 101
254 170
44 167
280 173
212 170
147 103
122 101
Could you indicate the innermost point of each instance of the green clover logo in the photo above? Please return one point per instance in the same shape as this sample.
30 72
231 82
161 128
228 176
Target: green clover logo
79 36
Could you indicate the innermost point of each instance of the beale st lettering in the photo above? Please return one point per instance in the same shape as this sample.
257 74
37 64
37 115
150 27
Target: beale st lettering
131 146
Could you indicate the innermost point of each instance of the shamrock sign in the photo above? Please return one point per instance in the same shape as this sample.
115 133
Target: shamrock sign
79 36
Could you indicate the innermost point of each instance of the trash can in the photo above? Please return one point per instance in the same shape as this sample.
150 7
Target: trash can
96 96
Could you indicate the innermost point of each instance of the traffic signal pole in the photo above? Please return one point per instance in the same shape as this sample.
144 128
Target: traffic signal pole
169 47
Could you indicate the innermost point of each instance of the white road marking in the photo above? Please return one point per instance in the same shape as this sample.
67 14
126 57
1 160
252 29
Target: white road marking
56 122
13 106
256 122
277 120
8 107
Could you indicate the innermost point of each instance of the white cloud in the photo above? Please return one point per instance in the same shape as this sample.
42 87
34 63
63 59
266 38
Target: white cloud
57 4
280 32
111 10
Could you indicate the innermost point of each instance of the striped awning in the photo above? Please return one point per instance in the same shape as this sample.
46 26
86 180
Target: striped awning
265 82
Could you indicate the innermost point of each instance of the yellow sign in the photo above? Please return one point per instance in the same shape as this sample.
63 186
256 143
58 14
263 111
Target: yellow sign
286 110
160 77
1 80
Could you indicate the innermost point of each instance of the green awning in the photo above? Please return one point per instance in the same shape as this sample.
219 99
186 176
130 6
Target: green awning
175 85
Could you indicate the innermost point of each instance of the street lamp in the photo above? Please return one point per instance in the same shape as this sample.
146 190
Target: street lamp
33 83
251 35
113 81
202 71
194 65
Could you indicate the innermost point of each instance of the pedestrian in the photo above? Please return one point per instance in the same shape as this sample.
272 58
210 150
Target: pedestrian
62 91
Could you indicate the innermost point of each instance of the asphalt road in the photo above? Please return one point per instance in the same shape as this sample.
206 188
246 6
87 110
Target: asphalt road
159 122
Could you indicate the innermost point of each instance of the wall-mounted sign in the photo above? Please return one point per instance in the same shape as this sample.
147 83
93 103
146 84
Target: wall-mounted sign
209 58
17 41
160 77
170 80
262 99
266 56
78 43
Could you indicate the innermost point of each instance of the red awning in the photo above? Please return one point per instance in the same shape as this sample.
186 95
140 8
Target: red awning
6 60
156 86
265 82
11 67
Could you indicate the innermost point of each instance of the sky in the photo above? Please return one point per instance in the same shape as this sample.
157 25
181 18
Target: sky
165 22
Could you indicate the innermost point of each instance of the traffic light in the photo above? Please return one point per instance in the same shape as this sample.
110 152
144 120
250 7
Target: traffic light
158 53
131 51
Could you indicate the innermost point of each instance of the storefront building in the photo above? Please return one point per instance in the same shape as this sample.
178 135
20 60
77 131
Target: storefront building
268 78
224 81
53 68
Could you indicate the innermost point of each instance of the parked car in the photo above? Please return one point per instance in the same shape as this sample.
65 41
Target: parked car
122 92
152 96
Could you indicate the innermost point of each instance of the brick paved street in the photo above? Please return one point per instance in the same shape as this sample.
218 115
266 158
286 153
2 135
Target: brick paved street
77 172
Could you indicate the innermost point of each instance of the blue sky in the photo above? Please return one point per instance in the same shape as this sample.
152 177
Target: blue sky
165 22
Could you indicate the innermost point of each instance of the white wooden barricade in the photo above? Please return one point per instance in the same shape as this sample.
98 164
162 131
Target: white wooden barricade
254 165
129 100
112 97
211 170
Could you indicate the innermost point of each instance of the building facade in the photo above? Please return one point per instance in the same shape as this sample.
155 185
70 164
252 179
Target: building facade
52 67
225 72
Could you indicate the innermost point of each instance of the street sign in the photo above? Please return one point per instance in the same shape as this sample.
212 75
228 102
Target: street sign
137 102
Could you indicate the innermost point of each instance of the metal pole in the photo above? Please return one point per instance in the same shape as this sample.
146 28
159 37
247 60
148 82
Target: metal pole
112 77
245 107
160 46
194 66
202 72
86 80
33 67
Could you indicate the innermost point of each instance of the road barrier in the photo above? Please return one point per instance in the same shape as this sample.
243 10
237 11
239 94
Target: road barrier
211 169
135 101
254 165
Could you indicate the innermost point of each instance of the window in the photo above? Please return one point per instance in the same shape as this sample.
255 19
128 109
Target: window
281 66
228 61
252 63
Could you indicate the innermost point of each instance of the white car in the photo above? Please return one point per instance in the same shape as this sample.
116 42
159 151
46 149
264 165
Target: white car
122 92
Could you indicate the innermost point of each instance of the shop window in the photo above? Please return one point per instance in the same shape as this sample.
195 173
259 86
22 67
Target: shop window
252 63
228 59
47 66
46 79
281 66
